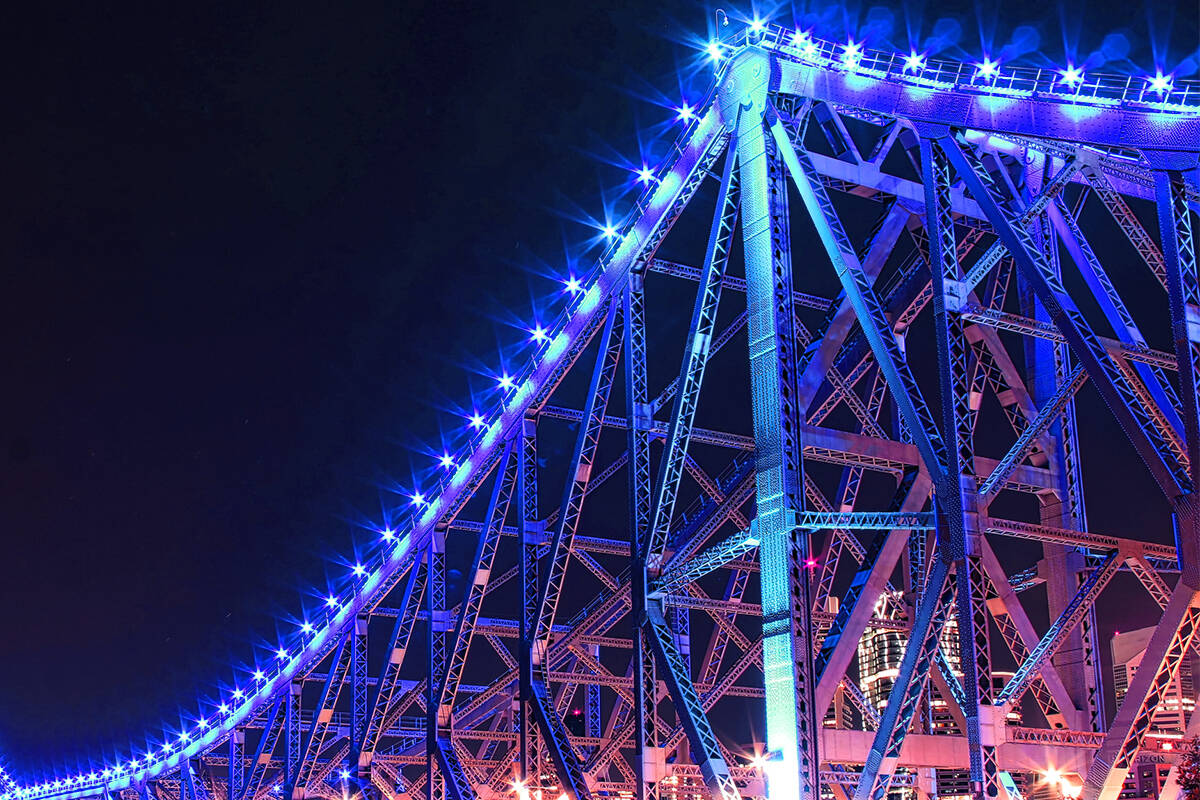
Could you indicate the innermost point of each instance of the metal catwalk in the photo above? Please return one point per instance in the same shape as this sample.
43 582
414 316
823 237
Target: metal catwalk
669 581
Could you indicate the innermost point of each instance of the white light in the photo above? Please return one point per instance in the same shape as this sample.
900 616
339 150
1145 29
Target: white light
360 570
988 68
757 25
183 737
418 500
1072 76
799 38
573 285
258 675
914 62
203 723
645 175
851 54
447 461
506 381
538 334
609 231
166 747
331 601
476 421
223 708
388 534
714 50
1162 84
283 654
685 113
306 628
344 774
238 694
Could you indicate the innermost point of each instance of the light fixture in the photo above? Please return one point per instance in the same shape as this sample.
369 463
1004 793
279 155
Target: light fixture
1072 76
573 285
645 175
851 54
538 334
714 50
685 113
987 68
914 62
1162 84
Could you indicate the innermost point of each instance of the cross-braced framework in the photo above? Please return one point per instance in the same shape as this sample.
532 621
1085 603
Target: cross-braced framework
665 588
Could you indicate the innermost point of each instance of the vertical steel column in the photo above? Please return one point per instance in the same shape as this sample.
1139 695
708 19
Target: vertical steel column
792 735
527 488
436 605
642 660
956 499
1048 364
237 763
291 732
1183 293
358 690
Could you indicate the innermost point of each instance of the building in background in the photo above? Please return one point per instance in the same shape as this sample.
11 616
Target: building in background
1170 718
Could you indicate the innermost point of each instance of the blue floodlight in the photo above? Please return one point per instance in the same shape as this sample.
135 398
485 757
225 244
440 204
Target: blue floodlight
573 285
987 69
447 461
538 334
714 50
359 570
609 231
1161 84
645 175
505 382
331 601
306 627
685 113
851 54
1072 76
914 62
757 25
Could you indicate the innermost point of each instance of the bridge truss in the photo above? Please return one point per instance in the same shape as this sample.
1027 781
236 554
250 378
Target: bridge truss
665 598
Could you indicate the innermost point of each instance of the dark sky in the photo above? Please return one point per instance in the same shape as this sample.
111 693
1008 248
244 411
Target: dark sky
247 254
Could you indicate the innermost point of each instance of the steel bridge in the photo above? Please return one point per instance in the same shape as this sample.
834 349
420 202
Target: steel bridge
664 598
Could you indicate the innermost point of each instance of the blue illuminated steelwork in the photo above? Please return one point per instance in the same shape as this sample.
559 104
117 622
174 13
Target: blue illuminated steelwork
378 687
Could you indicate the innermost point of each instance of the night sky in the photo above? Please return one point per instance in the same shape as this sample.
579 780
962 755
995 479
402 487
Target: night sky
248 256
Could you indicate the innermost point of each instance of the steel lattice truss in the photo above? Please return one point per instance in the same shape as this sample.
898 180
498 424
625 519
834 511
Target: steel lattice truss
642 575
